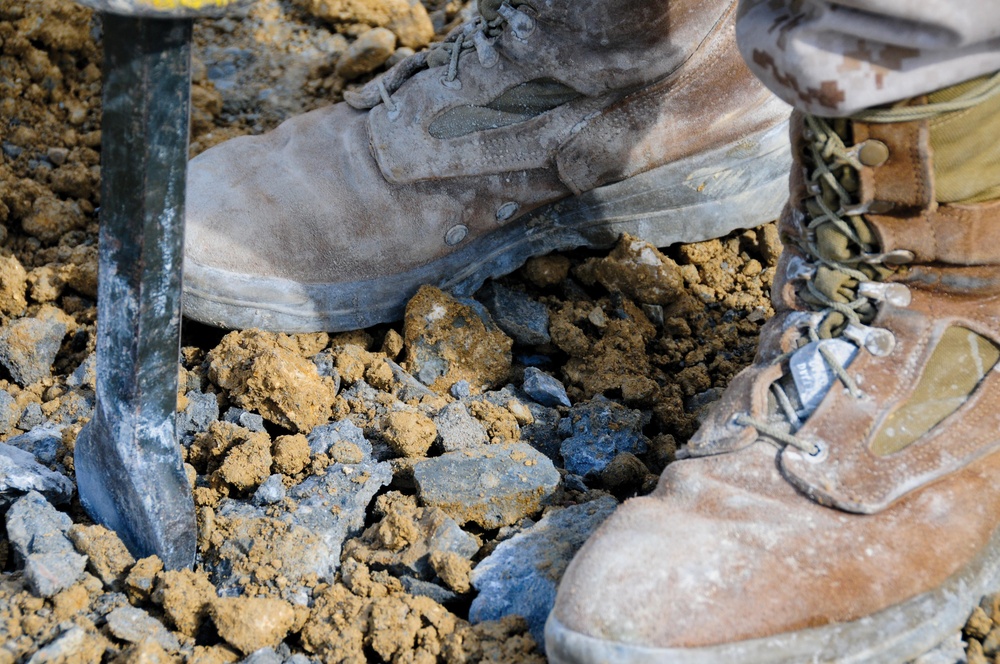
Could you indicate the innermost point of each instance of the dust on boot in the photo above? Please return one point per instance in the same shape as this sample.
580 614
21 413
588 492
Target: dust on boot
841 502
538 126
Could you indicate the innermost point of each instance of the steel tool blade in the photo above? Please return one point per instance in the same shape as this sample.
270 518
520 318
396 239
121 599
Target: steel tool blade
128 463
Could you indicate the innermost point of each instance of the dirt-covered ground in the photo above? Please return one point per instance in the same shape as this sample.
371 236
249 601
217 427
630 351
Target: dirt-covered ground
330 472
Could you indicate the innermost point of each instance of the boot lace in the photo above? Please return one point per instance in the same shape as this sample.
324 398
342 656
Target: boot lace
841 280
843 277
479 35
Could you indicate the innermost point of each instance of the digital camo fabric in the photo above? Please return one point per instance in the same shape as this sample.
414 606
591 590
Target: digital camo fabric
836 57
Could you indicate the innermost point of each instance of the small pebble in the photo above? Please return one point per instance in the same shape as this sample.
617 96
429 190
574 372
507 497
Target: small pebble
271 491
57 155
247 420
544 389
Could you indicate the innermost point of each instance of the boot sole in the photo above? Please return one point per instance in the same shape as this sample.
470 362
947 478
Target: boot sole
899 633
741 185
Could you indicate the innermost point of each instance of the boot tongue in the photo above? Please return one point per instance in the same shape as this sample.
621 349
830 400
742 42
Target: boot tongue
811 372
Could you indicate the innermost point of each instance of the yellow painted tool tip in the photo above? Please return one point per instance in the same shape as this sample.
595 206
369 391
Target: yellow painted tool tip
165 8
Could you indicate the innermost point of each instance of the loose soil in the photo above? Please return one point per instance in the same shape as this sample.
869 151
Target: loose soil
659 331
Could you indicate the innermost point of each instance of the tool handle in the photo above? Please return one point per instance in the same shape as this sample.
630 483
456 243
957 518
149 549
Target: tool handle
169 9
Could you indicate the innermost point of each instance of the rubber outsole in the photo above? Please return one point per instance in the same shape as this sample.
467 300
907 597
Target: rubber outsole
896 634
741 185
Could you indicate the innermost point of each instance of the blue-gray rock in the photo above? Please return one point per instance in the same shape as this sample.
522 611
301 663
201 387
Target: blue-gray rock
543 432
11 150
106 603
202 409
20 473
31 417
408 387
135 625
574 483
654 312
28 346
533 360
271 491
461 389
42 442
416 586
84 375
326 367
597 431
524 319
37 532
492 486
8 412
245 419
334 506
266 655
458 429
299 658
75 405
322 438
545 389
66 647
521 575
326 511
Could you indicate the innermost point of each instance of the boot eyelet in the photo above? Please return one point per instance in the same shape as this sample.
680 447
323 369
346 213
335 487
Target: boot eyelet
873 153
485 51
880 207
453 84
455 234
819 455
520 23
507 210
894 294
876 340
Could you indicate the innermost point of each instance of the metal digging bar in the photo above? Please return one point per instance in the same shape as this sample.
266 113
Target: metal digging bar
128 463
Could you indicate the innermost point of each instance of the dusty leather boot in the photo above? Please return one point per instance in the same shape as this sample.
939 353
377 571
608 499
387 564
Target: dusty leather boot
539 126
842 501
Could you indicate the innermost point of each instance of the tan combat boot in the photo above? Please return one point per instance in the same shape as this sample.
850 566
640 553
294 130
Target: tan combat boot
842 502
542 125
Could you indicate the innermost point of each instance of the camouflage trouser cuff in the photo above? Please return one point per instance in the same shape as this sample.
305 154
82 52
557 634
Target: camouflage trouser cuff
833 57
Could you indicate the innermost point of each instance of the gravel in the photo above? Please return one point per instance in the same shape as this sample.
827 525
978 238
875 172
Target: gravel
135 625
359 552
